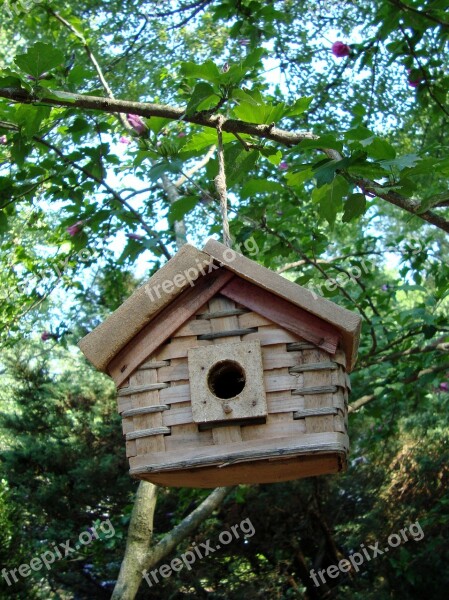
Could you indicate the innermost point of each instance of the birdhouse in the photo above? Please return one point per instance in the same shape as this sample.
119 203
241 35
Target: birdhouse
228 373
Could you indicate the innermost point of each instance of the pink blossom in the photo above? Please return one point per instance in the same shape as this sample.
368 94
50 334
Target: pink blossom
72 230
340 49
3 140
46 335
444 386
137 124
414 78
283 166
134 236
124 140
182 134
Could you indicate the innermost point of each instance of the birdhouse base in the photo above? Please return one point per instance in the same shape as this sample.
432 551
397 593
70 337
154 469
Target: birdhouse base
273 461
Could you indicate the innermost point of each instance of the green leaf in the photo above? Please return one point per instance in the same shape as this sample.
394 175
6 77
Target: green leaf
3 222
238 163
300 106
39 59
253 58
354 207
203 96
329 198
260 186
207 71
31 117
205 139
298 178
379 148
181 207
407 161
324 141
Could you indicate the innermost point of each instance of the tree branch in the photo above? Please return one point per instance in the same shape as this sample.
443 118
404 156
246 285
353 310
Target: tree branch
205 119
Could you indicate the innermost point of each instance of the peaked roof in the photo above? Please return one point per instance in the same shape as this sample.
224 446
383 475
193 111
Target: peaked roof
105 341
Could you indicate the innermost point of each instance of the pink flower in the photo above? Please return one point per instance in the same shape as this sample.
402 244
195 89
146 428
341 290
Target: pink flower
3 140
244 42
137 124
182 134
124 140
414 78
444 386
74 229
283 166
340 49
46 335
134 236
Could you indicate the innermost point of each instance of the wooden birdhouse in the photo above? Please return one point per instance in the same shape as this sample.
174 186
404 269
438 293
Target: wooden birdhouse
228 373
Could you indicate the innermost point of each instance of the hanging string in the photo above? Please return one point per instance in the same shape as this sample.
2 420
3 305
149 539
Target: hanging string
220 184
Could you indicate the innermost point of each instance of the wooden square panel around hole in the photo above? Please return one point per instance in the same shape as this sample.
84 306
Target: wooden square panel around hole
226 382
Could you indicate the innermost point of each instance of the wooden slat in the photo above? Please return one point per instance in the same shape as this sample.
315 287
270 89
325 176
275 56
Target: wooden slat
167 322
222 313
294 319
179 414
144 410
178 369
128 391
316 389
315 412
134 435
272 334
193 327
294 346
253 319
280 402
187 436
178 347
277 426
154 364
314 367
227 334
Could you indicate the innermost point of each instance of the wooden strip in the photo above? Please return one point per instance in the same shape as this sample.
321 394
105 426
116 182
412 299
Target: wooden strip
131 448
223 313
167 322
300 346
178 369
179 347
280 402
193 327
272 335
179 414
128 391
134 435
246 450
318 379
313 367
325 389
284 313
222 334
187 436
253 319
314 412
154 364
277 429
144 410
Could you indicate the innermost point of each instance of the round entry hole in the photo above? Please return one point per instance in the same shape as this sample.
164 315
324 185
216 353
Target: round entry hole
226 379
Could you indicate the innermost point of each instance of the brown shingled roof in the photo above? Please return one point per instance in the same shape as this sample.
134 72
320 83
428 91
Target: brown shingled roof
103 343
